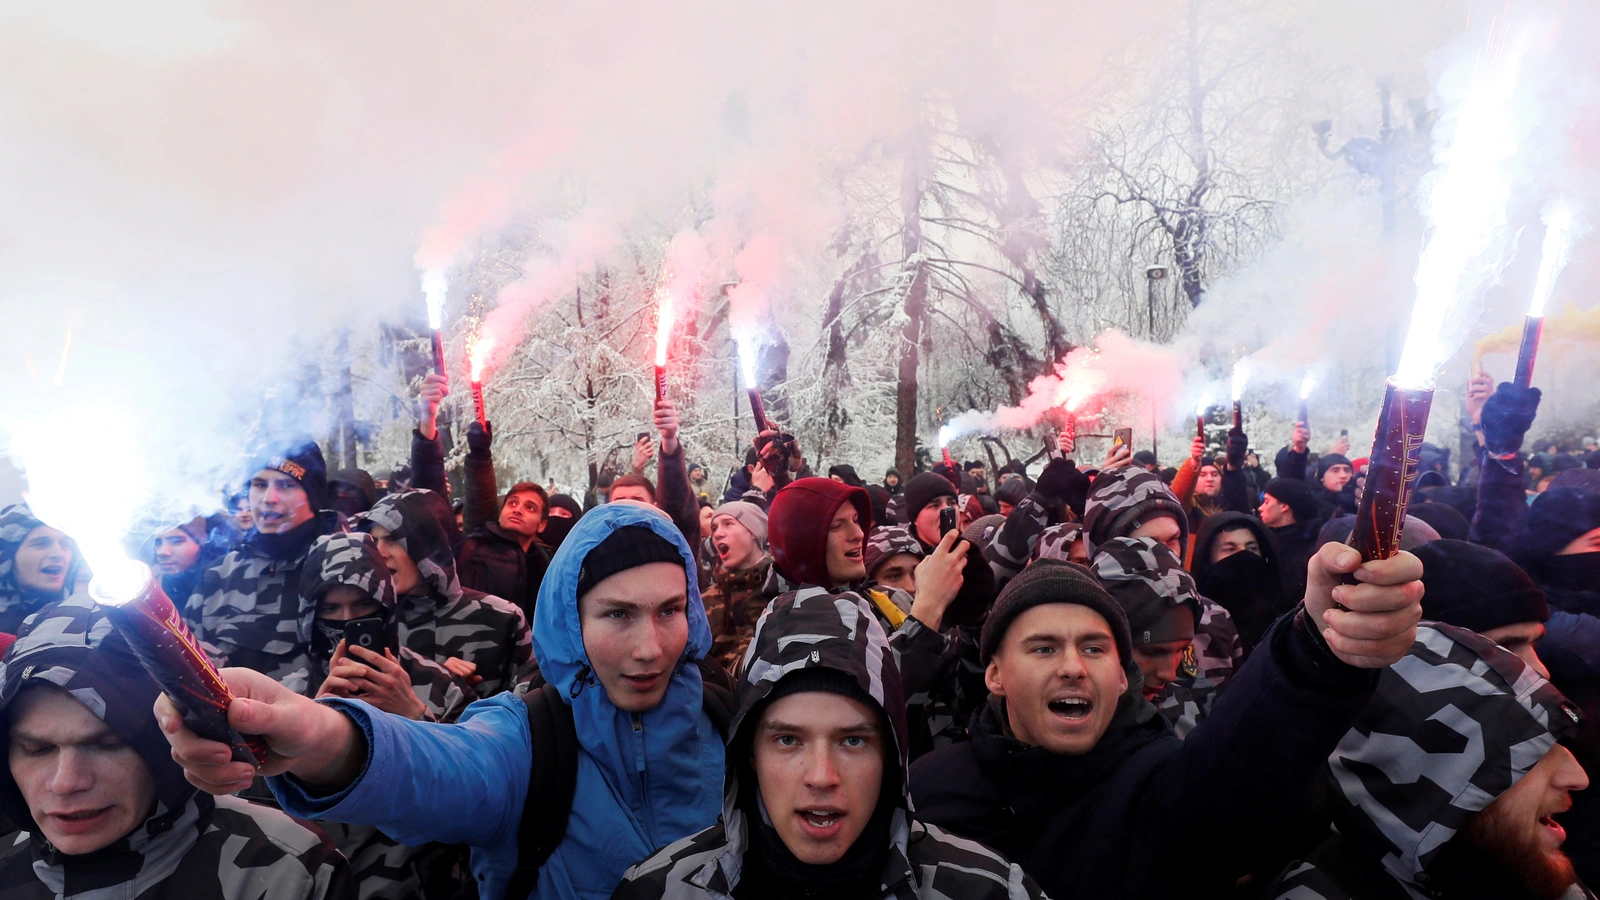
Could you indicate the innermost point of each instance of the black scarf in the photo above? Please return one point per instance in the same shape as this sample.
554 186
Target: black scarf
770 870
1250 589
1039 783
291 544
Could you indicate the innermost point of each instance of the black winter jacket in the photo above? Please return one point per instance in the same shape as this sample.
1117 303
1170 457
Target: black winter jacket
493 562
1145 814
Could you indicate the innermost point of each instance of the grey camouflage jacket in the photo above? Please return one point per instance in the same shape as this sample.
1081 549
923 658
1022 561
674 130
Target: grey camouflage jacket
247 610
440 619
836 630
192 846
1454 724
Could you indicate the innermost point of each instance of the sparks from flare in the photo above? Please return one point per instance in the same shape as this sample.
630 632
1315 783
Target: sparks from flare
434 288
1241 378
664 314
1465 207
1559 231
1306 385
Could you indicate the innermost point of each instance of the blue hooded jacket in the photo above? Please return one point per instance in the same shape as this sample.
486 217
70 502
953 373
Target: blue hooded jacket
644 780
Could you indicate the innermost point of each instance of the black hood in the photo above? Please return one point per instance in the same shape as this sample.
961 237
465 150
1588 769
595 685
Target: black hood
1228 521
348 559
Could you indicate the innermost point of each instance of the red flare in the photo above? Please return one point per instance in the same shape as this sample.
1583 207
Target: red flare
152 627
1396 462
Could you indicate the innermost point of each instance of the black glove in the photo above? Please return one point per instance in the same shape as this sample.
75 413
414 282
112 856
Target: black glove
479 437
1507 416
1062 481
1238 446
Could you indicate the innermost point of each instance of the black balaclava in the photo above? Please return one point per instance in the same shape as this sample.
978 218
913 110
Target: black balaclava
556 528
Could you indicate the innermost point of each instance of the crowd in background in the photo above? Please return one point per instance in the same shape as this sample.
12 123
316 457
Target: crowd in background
1108 680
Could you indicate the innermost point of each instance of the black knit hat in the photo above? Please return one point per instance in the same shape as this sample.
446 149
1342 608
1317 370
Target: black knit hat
1053 581
1476 587
924 489
626 548
1296 495
1328 461
303 462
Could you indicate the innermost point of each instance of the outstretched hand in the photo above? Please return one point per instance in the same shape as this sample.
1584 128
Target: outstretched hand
1372 623
317 743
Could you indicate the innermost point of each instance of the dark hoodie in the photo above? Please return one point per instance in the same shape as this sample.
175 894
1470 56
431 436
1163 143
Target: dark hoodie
1249 586
191 846
1144 814
1454 725
17 603
440 619
830 642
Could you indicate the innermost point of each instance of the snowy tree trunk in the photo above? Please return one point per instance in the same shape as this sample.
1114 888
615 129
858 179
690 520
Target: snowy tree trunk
916 311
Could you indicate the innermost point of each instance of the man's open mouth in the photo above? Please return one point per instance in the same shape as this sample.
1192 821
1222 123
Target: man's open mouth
1072 707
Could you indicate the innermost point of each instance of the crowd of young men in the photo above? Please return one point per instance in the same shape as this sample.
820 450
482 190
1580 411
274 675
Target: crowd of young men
1107 682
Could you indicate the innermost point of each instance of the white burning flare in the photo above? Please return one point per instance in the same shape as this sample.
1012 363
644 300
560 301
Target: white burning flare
1560 227
1241 377
1465 205
745 342
1203 405
60 456
1306 384
434 288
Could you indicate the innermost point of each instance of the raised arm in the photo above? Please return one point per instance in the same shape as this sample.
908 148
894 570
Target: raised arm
427 451
482 490
674 493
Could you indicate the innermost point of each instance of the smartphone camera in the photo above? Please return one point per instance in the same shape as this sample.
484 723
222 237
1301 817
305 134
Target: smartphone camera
947 520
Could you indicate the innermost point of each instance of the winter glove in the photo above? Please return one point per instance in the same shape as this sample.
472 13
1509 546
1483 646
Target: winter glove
1062 481
1507 416
479 437
1238 446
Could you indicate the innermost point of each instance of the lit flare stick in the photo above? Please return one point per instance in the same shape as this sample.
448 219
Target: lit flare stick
433 291
1200 416
147 619
475 359
663 333
747 370
1396 461
1241 377
1306 384
1558 234
1069 427
1466 211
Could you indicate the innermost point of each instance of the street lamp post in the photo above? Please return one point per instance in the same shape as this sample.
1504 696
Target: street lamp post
1153 274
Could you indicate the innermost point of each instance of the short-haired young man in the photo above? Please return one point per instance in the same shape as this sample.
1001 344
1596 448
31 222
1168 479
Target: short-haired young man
1071 773
618 632
816 803
246 608
104 810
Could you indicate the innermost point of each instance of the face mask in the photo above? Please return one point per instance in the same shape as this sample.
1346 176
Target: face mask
1572 572
556 529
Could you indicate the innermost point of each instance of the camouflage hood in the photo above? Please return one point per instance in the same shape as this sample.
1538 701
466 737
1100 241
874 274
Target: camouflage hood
886 541
412 520
72 645
1147 581
16 522
810 629
1121 501
1056 541
348 559
1453 725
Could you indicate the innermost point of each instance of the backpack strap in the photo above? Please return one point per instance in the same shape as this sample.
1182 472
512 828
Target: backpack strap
554 780
551 786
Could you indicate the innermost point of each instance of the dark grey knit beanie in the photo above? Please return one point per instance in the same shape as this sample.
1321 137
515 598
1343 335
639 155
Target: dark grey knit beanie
1054 581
